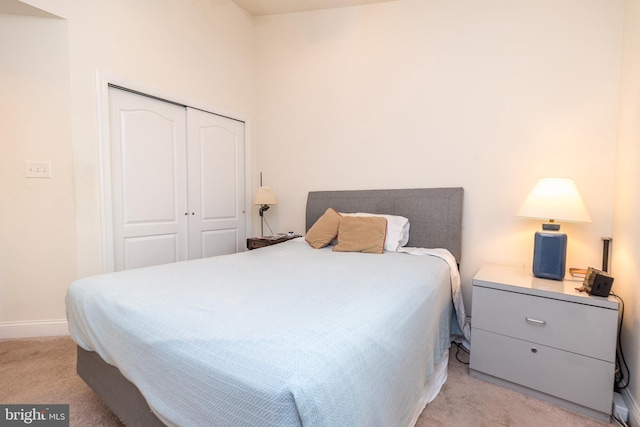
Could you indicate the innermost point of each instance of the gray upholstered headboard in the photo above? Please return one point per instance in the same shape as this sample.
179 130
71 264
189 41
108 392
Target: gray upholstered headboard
435 214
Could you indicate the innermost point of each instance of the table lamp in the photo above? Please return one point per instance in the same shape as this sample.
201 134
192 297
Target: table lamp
264 198
553 199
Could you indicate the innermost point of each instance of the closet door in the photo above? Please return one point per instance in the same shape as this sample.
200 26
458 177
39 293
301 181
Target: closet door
216 174
148 180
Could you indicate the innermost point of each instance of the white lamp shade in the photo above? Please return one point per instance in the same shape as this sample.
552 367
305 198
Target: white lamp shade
555 199
265 196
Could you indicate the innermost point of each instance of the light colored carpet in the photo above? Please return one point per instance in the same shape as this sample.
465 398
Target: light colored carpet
42 371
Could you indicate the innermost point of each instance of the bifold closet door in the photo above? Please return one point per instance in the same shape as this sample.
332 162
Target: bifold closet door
148 180
216 175
177 182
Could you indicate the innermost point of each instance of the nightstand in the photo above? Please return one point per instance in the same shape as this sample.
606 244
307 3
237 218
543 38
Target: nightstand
545 339
261 242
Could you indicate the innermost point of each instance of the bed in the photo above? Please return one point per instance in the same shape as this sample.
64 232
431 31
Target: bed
286 335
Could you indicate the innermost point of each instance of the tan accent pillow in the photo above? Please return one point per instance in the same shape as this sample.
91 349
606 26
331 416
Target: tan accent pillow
324 230
361 234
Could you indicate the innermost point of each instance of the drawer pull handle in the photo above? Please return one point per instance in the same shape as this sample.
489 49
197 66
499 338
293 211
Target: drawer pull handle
534 350
539 322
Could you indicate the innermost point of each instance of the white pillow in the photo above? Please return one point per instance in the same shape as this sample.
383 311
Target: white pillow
397 230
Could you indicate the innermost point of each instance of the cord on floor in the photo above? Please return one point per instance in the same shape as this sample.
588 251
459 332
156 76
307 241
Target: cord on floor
461 347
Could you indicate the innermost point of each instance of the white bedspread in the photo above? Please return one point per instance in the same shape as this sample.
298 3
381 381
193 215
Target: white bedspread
281 336
456 291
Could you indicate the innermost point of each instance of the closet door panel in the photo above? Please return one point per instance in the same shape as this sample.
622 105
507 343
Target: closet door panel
150 250
218 164
152 176
148 180
215 155
219 242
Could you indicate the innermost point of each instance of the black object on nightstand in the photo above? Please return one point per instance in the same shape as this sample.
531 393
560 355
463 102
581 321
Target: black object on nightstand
261 242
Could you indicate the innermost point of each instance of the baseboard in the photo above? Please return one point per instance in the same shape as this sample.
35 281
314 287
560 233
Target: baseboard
36 328
632 405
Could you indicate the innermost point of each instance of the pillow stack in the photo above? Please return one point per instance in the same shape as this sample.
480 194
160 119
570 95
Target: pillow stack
359 232
397 230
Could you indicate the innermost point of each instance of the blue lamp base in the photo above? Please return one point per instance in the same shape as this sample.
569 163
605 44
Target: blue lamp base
549 255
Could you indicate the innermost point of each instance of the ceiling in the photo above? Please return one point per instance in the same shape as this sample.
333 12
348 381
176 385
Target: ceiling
274 7
15 7
254 7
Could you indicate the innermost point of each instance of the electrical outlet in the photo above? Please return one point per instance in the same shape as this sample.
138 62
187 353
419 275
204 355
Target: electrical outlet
37 169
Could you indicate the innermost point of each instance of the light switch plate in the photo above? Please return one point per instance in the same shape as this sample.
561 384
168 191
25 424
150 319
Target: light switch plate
34 169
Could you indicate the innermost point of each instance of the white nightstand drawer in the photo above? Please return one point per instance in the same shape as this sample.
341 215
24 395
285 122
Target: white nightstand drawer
578 328
579 379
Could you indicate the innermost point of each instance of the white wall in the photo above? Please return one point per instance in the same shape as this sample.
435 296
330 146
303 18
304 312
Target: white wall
626 245
37 216
490 96
200 51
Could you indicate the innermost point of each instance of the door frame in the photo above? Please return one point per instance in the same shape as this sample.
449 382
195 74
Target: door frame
103 81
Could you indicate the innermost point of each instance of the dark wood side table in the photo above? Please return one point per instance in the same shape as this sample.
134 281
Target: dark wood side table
261 242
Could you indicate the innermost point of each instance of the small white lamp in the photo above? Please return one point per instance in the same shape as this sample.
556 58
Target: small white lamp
264 198
553 199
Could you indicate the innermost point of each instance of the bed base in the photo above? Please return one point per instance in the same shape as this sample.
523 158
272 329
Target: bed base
119 394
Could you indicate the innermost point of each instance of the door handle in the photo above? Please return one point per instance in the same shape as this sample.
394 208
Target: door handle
536 321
